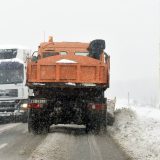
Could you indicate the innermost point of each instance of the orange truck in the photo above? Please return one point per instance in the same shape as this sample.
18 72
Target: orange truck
68 80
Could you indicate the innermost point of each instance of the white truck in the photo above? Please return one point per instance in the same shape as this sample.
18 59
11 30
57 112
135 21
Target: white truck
13 91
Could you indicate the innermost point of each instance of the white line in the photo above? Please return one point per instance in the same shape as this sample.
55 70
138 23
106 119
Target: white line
3 145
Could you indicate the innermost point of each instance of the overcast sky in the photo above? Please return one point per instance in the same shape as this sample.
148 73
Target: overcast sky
130 28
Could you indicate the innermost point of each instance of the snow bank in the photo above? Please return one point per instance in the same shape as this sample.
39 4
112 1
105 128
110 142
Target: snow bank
137 130
147 112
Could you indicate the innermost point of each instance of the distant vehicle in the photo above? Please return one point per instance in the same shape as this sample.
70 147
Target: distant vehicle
13 89
68 81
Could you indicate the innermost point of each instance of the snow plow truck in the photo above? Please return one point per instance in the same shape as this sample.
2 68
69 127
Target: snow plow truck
68 80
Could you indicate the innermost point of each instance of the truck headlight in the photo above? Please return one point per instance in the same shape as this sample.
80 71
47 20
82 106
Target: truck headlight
25 105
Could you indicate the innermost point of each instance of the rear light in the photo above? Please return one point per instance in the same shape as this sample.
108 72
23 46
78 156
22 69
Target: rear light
35 105
97 106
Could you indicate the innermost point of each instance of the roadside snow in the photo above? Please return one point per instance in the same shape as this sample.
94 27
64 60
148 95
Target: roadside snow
137 130
147 112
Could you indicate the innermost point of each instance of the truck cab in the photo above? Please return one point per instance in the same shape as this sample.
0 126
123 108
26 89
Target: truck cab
13 89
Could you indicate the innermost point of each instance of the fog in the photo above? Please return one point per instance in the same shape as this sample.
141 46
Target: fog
131 29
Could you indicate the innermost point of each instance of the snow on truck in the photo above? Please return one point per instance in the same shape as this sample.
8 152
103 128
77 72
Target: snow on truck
68 80
13 89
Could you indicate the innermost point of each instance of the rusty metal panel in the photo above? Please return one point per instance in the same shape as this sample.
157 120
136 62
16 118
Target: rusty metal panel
68 72
47 72
88 73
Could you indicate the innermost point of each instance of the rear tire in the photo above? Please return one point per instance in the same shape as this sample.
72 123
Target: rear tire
97 122
32 123
37 124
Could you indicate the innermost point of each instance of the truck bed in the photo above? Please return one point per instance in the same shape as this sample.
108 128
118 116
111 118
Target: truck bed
68 69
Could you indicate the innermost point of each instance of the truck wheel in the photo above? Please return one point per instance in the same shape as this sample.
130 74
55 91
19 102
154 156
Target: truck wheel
37 124
97 122
32 123
104 121
101 123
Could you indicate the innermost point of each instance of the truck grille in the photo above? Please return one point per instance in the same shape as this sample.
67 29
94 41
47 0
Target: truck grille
7 106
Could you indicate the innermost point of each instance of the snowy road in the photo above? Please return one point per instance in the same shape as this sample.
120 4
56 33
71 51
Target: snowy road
16 143
72 143
62 143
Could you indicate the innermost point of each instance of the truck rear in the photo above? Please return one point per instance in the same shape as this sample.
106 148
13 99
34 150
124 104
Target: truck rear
68 80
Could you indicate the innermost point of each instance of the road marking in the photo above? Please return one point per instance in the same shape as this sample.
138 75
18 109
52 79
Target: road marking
3 145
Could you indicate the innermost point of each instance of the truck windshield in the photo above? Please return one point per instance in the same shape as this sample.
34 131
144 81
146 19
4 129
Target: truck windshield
8 53
11 72
48 54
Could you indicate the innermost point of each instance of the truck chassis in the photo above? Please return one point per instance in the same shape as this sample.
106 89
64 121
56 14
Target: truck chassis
65 105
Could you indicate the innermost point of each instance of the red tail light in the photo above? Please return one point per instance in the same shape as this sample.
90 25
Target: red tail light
96 106
34 105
